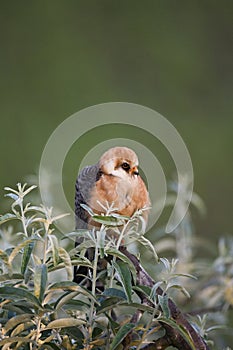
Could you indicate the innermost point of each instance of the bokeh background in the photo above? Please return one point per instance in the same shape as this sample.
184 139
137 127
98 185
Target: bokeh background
58 57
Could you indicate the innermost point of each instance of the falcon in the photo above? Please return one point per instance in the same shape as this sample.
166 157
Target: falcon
114 180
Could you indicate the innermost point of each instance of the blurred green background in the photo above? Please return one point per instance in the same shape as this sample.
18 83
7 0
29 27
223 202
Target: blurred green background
58 57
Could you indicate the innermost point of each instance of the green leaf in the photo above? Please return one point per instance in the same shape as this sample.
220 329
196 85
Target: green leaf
12 278
65 257
14 293
13 196
114 292
153 293
166 263
74 262
40 281
185 275
88 243
75 333
26 256
147 244
66 298
7 217
89 210
75 234
121 334
121 256
108 304
21 328
18 248
65 322
12 340
14 321
107 220
73 287
180 287
143 289
125 278
54 246
121 217
17 308
141 307
65 285
163 302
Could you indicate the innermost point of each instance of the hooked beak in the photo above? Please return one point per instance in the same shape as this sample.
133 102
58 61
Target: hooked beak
134 171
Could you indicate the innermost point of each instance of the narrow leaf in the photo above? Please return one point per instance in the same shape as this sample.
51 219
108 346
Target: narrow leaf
163 302
13 196
40 281
181 288
18 248
65 285
12 340
22 327
14 321
125 278
7 217
73 287
89 210
13 277
65 322
65 299
29 189
185 275
14 293
74 234
26 256
65 257
121 334
141 307
107 220
114 292
147 244
54 247
108 304
121 256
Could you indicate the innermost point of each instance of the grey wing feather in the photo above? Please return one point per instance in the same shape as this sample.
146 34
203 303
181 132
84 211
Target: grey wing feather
84 183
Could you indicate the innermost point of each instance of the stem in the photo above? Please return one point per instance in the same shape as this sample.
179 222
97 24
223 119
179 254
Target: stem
121 235
94 277
23 219
117 247
45 248
38 330
45 242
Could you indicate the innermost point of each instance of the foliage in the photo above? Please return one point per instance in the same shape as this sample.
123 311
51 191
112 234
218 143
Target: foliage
42 310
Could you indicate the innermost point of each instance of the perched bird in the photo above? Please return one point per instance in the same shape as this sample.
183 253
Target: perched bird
115 180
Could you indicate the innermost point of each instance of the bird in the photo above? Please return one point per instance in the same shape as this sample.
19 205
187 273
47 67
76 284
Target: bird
115 180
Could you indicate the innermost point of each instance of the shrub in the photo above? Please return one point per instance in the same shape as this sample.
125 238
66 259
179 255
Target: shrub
123 309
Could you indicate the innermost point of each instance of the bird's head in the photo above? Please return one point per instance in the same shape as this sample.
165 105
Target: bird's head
121 162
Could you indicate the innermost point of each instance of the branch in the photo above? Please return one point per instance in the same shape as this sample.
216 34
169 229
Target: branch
172 336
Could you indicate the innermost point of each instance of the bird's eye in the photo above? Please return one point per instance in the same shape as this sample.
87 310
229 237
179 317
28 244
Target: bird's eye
125 166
